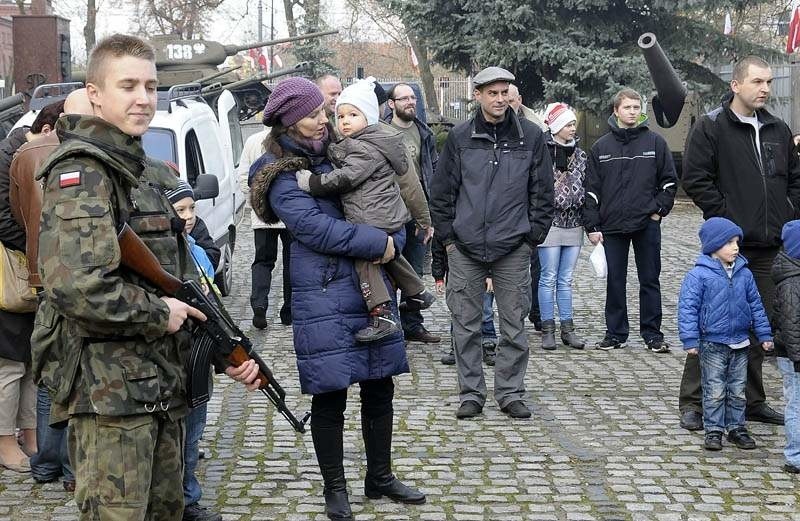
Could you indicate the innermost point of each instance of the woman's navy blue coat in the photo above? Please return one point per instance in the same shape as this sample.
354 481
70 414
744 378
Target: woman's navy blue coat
327 306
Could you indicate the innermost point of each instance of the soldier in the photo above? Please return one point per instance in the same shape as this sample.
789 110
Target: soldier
110 348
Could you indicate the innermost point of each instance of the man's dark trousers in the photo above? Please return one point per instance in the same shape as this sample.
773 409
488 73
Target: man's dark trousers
266 245
536 270
647 252
691 394
414 252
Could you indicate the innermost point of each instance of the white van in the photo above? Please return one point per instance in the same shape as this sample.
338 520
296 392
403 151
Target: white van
186 131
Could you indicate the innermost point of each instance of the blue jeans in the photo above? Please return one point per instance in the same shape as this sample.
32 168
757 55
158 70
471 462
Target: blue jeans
52 458
555 281
488 333
791 393
414 253
723 373
195 424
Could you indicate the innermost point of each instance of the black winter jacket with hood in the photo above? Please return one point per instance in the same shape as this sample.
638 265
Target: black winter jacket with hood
493 187
786 314
725 175
630 177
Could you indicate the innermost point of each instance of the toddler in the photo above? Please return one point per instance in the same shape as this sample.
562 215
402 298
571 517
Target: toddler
368 156
786 320
719 304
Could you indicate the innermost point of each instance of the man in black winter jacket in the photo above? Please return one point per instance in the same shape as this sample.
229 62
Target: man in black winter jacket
630 186
491 204
739 164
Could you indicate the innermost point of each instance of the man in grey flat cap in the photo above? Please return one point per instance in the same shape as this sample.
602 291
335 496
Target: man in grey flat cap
491 204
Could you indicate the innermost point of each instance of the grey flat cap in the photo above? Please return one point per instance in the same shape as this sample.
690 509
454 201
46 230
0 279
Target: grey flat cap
491 75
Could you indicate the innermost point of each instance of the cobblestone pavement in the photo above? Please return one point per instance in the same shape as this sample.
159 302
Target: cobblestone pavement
603 444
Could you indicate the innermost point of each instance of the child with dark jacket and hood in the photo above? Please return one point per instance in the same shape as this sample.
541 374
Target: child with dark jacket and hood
786 324
718 306
368 155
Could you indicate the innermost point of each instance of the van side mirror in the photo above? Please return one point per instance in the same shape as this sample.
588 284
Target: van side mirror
206 186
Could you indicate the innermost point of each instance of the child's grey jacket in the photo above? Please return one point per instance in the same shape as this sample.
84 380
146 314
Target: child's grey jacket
364 179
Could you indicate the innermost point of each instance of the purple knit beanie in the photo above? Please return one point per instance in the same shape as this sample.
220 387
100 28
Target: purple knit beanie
292 100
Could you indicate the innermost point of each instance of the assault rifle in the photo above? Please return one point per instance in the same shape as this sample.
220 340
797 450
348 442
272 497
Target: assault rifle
222 342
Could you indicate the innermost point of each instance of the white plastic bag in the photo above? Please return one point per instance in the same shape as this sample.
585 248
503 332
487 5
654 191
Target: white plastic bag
598 260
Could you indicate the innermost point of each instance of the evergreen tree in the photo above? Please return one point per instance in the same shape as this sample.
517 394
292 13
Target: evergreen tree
578 51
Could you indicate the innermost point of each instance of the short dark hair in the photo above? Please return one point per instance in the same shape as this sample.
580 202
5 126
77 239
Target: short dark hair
626 93
741 67
390 92
47 116
116 46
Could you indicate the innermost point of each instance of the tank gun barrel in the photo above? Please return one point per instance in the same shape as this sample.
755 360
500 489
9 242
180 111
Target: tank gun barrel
298 68
668 103
223 72
230 50
11 101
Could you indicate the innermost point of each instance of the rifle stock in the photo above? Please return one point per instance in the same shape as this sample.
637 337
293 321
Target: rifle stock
228 344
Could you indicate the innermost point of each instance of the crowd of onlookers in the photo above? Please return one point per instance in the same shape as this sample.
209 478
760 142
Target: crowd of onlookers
351 184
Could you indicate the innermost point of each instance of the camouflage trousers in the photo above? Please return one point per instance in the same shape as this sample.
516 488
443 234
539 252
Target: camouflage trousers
127 468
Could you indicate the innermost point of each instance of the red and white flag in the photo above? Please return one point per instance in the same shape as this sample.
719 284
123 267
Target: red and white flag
793 42
728 30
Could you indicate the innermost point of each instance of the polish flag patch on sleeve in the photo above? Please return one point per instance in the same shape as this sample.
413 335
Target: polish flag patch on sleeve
69 179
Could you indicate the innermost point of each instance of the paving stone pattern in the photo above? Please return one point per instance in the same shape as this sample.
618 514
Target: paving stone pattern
603 444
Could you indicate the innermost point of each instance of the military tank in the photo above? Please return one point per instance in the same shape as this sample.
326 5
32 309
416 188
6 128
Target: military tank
182 62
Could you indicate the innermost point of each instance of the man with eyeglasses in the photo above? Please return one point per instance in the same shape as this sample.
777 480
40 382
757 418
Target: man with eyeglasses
421 144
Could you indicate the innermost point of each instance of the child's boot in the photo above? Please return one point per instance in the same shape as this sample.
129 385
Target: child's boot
381 325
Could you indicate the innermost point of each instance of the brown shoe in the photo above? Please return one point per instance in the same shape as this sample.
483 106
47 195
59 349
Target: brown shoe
422 335
69 486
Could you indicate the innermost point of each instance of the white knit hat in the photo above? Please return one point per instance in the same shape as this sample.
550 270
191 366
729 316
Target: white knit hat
557 115
361 95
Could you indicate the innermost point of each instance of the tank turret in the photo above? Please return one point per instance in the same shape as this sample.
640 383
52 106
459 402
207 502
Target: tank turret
196 61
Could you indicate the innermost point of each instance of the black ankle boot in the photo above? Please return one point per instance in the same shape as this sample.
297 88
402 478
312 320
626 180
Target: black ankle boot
548 334
380 481
330 456
569 337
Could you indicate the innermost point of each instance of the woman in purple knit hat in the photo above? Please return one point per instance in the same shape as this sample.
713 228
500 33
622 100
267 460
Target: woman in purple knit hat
327 305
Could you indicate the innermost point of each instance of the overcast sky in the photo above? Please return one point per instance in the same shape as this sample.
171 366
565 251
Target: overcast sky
235 22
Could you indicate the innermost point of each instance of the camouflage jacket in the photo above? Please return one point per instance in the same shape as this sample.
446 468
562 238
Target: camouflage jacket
100 342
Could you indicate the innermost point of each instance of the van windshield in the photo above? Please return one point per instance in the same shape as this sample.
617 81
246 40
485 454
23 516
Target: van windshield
159 143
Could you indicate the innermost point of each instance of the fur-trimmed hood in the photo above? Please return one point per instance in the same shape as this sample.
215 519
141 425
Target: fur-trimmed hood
265 169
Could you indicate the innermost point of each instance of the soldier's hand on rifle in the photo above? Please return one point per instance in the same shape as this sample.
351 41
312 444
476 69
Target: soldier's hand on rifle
246 374
178 313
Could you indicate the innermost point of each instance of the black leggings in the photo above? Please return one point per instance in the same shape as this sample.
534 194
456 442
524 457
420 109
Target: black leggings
327 409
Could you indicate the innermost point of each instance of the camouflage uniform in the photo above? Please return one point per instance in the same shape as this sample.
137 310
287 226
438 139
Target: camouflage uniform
100 343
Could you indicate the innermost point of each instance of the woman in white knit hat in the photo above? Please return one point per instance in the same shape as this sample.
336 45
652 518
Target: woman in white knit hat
558 254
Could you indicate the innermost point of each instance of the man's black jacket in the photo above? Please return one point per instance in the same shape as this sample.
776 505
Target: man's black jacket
630 177
725 175
493 187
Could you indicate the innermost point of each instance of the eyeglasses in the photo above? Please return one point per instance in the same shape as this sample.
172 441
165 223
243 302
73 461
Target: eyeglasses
405 99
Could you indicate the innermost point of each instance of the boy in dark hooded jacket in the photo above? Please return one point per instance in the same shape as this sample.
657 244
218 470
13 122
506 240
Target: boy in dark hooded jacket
368 156
786 324
718 306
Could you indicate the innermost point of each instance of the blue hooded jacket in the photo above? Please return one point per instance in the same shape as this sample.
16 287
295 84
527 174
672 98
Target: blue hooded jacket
715 308
327 306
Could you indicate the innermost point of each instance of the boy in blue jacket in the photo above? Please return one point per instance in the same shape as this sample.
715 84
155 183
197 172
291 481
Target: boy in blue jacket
718 306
